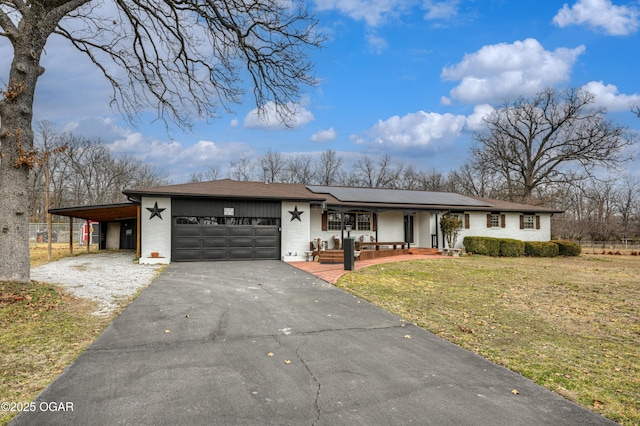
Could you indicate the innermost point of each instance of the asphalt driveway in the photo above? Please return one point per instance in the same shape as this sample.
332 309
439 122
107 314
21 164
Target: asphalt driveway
263 343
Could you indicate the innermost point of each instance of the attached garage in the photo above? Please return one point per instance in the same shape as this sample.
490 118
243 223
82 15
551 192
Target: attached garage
240 220
210 230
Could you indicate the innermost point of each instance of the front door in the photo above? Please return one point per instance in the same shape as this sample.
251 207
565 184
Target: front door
408 228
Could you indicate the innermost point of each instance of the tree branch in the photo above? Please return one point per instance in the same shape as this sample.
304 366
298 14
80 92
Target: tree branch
187 58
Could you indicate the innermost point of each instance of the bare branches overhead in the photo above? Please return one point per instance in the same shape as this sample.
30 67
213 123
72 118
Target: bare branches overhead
186 59
189 58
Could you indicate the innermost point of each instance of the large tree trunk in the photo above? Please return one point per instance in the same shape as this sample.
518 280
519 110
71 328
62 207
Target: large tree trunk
16 151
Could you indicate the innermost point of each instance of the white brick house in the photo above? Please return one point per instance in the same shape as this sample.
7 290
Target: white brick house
236 220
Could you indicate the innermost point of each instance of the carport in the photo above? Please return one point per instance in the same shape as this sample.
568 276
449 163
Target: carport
119 224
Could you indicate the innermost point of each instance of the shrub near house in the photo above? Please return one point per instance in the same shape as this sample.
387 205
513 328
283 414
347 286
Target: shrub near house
507 247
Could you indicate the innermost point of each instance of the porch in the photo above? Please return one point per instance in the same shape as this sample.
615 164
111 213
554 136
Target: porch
369 252
330 272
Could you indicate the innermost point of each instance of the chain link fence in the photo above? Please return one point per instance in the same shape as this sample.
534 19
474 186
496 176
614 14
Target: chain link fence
60 233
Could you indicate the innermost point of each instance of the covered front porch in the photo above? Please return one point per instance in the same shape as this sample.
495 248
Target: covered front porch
377 232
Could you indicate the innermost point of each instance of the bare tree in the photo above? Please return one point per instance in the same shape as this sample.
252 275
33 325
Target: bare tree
273 165
211 173
381 174
604 225
184 59
328 167
534 142
88 173
242 169
477 180
627 203
47 140
301 169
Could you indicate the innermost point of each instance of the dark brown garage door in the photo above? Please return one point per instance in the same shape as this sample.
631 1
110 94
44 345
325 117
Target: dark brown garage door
224 238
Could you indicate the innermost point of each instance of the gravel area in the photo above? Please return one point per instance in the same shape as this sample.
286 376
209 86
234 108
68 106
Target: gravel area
105 277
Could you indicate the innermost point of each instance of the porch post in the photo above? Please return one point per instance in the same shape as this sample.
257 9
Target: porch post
437 237
138 232
70 234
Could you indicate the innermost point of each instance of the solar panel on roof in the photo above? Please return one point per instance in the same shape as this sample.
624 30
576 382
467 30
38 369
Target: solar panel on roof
396 196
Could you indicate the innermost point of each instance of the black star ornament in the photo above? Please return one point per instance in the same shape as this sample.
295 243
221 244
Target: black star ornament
155 211
295 214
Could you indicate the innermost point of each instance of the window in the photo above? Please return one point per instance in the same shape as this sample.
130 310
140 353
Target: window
529 221
187 220
364 221
496 220
359 221
221 220
334 221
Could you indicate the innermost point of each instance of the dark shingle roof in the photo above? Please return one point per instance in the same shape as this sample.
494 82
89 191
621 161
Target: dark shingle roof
396 196
228 188
350 197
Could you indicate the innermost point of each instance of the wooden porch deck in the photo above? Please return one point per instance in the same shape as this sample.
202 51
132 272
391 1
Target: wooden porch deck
330 272
337 256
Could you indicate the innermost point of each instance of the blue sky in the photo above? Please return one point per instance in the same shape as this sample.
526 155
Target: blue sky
407 78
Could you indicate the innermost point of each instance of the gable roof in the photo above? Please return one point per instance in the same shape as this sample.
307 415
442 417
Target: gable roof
334 196
228 188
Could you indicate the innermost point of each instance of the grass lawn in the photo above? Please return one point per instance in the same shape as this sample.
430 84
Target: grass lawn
42 330
570 324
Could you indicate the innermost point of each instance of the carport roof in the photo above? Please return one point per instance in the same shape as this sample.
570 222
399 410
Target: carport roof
100 213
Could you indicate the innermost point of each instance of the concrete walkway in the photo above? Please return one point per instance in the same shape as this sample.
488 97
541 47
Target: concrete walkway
264 343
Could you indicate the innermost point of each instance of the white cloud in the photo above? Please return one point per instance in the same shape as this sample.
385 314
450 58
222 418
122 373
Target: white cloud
373 12
614 20
324 135
163 153
376 43
607 96
421 130
268 119
500 71
105 129
475 121
440 10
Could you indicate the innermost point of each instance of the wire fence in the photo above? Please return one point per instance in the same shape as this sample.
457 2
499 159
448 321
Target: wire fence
60 233
598 246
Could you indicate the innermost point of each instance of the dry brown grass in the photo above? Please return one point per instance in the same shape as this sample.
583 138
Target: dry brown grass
570 324
39 252
42 330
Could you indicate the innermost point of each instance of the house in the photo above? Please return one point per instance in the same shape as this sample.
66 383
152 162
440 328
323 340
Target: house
238 220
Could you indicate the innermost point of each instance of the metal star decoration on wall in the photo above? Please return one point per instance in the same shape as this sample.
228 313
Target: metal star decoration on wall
155 211
295 214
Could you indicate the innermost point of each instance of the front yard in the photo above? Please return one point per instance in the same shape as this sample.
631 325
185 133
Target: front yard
570 324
